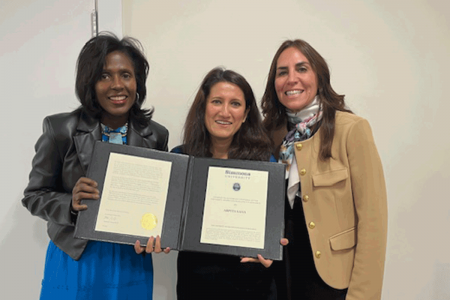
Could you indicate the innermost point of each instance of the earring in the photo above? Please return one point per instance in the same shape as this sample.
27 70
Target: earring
137 97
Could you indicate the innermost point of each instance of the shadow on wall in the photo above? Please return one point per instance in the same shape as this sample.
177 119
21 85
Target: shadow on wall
441 281
438 285
165 275
22 253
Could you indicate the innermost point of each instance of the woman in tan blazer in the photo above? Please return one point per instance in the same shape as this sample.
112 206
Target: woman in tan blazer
336 211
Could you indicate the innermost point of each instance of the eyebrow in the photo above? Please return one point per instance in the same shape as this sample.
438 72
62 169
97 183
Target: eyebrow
220 97
297 65
120 70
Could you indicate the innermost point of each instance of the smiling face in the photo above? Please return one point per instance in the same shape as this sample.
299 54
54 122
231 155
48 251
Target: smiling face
295 80
225 111
116 89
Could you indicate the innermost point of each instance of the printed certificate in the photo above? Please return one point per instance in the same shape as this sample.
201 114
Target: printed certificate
134 195
235 207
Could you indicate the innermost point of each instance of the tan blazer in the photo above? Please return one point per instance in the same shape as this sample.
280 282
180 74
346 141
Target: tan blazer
344 201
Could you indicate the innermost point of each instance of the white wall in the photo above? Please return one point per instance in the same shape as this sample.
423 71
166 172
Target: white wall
39 44
390 59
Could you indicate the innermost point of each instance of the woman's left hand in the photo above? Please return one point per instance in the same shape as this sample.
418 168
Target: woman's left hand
265 262
150 248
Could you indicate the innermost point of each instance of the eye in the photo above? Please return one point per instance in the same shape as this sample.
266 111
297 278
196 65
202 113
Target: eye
127 75
302 69
236 104
281 73
104 76
216 101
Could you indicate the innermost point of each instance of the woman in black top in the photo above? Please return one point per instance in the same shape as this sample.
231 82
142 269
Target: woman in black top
223 122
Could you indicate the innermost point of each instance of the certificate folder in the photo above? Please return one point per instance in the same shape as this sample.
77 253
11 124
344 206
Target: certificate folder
184 215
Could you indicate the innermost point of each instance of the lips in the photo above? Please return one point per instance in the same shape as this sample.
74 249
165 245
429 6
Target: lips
118 99
223 122
293 92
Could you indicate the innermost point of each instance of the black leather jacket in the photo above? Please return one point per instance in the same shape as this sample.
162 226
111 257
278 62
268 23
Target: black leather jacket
63 153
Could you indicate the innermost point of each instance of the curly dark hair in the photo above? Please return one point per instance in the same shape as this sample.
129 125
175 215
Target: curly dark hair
275 113
90 65
250 141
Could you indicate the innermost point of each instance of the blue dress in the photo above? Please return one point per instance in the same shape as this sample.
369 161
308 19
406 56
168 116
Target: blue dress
104 271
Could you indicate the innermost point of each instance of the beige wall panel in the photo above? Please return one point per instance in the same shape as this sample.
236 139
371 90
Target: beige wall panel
390 59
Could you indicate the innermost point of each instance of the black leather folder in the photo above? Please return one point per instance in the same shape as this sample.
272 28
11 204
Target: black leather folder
183 215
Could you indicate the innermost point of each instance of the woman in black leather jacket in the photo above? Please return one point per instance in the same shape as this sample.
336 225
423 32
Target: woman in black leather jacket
110 85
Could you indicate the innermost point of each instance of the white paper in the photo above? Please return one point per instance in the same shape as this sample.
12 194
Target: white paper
235 208
134 195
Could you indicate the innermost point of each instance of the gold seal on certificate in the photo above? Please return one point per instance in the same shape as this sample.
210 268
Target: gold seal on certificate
149 221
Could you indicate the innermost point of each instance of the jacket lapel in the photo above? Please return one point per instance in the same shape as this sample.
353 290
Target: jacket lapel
140 137
88 132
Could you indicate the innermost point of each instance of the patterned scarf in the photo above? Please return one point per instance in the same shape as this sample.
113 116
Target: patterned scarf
115 136
301 123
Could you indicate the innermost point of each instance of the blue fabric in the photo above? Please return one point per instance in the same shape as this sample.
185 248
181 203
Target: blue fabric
115 136
104 271
177 149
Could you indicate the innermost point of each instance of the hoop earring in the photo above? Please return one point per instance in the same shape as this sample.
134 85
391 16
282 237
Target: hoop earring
137 97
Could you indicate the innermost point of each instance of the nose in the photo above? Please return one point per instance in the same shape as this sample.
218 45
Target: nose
292 78
224 111
117 83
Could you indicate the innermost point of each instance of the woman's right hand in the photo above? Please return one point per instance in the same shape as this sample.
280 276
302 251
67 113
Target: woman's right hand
85 188
153 246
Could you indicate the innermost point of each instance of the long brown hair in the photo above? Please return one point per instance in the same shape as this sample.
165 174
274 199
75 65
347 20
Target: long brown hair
275 113
250 141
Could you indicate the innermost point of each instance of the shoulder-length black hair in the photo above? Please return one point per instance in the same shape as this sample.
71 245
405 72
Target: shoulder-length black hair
275 113
249 142
90 65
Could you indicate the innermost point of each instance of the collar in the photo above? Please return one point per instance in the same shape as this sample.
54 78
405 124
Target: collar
90 124
307 112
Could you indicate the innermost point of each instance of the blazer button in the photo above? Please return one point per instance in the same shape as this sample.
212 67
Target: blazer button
305 198
299 147
318 254
312 225
302 172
